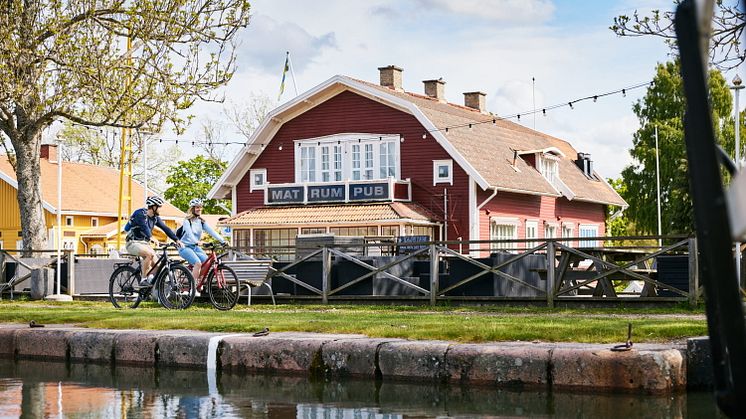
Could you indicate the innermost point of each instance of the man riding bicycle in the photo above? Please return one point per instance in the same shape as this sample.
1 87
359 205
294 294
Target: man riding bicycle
140 230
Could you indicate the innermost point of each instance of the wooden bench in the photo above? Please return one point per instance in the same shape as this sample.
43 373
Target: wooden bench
252 273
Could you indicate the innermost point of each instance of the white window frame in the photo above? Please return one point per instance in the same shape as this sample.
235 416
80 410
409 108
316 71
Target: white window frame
253 186
369 157
437 164
550 171
1 244
584 230
497 223
535 226
69 221
553 227
563 233
94 221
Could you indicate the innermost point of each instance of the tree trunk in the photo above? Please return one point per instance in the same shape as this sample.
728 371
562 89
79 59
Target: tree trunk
28 173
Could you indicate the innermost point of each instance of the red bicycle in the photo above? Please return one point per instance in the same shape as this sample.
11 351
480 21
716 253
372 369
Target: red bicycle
220 280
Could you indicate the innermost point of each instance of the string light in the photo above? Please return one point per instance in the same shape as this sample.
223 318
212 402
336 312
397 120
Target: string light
595 98
570 103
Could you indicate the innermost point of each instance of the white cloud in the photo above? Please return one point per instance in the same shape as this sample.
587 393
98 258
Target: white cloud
516 11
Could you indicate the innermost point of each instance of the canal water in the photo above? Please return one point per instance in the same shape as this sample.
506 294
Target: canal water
36 389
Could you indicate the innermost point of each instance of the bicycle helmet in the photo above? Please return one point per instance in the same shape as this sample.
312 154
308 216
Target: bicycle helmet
196 202
154 200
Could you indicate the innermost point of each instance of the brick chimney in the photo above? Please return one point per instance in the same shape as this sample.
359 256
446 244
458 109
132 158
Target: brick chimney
476 100
49 152
391 77
435 89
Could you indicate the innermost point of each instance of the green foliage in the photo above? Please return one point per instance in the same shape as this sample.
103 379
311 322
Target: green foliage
663 107
193 179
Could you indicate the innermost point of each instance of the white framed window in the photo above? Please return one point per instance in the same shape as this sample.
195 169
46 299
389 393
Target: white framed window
442 171
550 231
19 244
503 229
69 220
94 221
1 244
588 230
532 232
549 168
258 179
347 156
568 230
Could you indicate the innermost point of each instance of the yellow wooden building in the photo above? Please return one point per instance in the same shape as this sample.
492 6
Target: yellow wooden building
90 201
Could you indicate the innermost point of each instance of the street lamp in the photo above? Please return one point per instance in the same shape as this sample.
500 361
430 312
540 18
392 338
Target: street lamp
737 86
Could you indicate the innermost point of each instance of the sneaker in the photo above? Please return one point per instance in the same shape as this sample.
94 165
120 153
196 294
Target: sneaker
146 282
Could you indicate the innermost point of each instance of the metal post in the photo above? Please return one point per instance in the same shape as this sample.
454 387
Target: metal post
433 273
693 273
551 257
737 89
326 271
658 185
70 255
59 216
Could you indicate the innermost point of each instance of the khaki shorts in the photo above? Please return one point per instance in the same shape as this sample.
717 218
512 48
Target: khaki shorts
138 248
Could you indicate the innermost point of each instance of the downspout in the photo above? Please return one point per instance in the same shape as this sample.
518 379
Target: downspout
85 246
445 213
489 198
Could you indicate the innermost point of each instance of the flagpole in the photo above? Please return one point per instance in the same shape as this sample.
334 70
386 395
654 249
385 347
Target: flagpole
658 185
292 73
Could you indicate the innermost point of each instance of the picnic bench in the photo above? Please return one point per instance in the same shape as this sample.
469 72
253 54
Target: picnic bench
252 273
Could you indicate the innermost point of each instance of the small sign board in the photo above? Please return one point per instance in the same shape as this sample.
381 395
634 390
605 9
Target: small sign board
368 191
409 244
285 195
326 193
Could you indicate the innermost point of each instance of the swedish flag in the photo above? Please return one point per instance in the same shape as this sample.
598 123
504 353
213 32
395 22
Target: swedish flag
284 72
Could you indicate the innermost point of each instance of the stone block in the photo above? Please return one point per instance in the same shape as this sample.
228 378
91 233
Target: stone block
413 360
598 368
46 343
699 370
91 345
136 347
290 353
7 343
352 357
501 365
185 350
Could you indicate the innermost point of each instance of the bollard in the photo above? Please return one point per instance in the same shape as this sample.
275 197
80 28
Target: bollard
42 280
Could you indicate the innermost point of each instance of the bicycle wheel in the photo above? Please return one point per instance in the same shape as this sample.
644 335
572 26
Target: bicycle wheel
223 288
176 287
122 292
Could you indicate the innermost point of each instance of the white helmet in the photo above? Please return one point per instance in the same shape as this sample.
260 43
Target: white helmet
154 200
196 202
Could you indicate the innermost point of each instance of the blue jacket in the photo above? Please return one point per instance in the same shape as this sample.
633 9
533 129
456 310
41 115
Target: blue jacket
140 226
193 231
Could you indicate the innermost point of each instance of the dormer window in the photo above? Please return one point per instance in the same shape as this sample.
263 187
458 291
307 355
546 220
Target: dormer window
347 157
549 167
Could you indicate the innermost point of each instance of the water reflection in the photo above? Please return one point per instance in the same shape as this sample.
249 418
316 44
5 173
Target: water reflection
32 389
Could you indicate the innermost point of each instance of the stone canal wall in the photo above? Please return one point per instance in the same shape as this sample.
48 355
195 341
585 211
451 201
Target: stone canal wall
647 368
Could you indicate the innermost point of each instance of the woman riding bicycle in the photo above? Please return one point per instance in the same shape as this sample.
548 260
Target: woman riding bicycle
193 227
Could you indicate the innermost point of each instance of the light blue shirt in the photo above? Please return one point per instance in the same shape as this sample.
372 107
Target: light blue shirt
193 231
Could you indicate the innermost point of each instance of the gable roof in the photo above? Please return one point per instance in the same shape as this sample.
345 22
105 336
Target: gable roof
86 189
484 151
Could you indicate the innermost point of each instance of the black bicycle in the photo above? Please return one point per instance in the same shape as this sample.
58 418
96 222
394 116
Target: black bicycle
173 284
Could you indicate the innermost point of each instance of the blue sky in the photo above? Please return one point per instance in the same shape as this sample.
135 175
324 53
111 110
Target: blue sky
495 46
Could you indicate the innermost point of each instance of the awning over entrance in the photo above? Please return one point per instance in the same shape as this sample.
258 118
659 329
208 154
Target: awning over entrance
389 212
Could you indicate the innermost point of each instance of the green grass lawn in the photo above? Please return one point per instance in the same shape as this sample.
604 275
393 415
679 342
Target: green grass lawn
463 324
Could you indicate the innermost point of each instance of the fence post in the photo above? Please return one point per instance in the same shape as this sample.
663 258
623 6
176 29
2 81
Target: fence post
326 271
693 272
434 274
70 255
551 254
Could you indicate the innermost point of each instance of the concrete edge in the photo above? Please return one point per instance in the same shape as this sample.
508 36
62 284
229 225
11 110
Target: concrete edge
651 369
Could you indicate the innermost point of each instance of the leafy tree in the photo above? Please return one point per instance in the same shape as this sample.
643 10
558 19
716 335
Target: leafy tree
193 179
71 60
726 51
617 223
663 107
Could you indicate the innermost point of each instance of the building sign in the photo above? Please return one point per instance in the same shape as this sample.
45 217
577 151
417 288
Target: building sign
330 193
326 193
285 195
368 191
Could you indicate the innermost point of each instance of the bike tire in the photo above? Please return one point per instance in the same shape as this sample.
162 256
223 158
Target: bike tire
176 287
223 296
122 292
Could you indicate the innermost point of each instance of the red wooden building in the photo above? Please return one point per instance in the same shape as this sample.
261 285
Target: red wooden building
355 158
